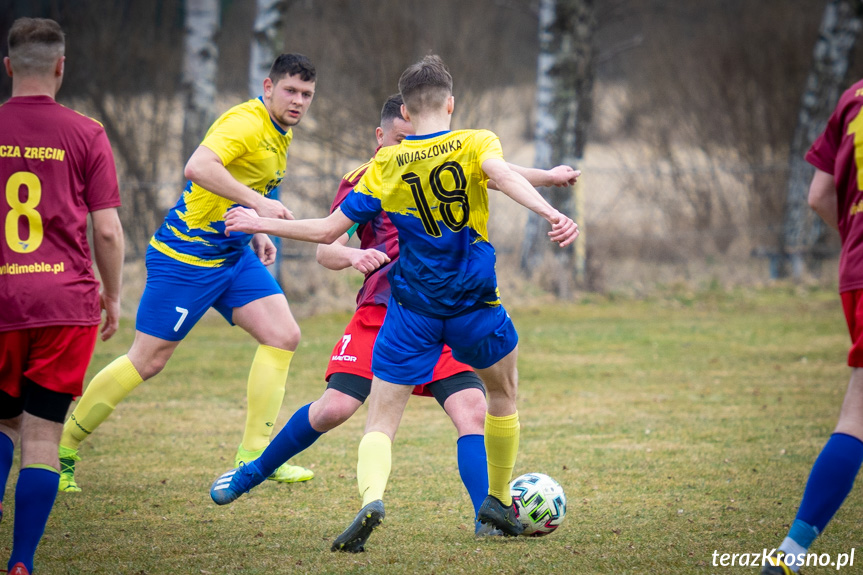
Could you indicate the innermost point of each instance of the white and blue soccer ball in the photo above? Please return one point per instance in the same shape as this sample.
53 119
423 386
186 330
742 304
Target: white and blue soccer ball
540 503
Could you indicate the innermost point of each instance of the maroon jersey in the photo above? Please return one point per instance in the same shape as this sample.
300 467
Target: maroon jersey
56 166
380 234
836 151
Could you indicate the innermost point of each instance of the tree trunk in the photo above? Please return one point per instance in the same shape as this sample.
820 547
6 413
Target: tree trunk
565 74
840 27
269 21
199 71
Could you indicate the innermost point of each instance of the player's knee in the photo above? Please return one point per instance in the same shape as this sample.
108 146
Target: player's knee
469 419
151 366
332 410
288 337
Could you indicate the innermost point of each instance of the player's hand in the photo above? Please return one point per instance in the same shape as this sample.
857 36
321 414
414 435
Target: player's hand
562 176
369 260
264 248
563 229
241 220
273 209
112 315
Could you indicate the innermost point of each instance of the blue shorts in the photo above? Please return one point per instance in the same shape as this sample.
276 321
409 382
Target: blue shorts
409 344
177 294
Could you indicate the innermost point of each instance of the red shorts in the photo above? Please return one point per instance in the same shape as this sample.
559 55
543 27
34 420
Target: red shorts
353 352
55 357
852 304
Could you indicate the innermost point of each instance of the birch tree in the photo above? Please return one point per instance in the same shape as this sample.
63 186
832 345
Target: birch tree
565 75
840 26
269 20
200 63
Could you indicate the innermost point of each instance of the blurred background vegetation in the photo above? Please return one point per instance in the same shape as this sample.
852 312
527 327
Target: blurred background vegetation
687 117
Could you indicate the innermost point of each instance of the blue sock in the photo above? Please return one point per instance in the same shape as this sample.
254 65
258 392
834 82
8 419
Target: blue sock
7 451
473 468
297 435
34 498
830 481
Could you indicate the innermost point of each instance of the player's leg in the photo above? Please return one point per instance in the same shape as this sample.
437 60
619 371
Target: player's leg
463 398
298 434
349 380
386 406
256 303
487 340
307 424
406 350
146 357
9 434
270 322
833 474
11 407
14 348
501 441
36 489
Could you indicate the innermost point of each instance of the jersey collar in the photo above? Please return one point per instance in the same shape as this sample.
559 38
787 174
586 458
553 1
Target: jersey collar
428 136
275 125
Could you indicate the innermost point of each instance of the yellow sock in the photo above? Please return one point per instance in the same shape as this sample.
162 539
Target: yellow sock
501 446
265 392
106 390
373 465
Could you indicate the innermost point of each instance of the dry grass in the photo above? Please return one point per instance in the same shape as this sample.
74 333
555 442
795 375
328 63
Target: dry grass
679 425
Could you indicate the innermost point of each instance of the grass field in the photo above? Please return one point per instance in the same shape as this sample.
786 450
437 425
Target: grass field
679 425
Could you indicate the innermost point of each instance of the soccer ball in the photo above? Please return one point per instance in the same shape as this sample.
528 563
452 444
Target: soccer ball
540 503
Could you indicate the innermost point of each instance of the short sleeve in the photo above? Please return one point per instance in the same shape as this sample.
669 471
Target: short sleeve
823 152
102 190
363 203
234 136
488 146
345 187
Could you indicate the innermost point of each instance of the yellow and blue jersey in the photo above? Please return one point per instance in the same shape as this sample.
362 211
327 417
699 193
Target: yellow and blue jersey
435 192
254 151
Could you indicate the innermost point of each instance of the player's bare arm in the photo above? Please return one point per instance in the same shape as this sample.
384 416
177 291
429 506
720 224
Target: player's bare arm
318 230
515 186
338 256
558 176
108 248
205 168
822 198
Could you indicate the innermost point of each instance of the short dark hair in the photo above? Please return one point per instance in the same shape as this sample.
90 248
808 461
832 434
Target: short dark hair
426 84
392 109
35 44
292 65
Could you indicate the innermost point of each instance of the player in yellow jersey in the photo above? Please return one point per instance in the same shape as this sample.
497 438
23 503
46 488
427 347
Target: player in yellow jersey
192 266
433 187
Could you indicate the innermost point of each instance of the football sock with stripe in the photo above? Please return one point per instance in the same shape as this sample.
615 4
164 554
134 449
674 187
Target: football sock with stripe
373 465
34 498
106 390
791 547
830 482
265 391
501 446
296 436
473 468
7 453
